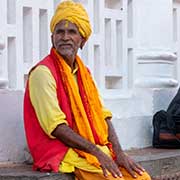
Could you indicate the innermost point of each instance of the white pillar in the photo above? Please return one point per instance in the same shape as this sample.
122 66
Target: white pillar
153 37
2 45
3 68
3 81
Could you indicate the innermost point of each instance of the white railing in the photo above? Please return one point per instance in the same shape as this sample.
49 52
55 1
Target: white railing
176 35
26 36
110 51
27 39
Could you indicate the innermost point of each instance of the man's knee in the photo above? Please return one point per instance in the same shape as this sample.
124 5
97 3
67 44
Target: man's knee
145 176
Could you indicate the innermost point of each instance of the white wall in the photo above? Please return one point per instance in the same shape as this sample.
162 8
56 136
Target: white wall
12 141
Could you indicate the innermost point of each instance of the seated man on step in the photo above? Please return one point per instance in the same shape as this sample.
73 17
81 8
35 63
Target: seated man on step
67 128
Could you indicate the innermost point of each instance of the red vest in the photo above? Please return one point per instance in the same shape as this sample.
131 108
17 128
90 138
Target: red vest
47 153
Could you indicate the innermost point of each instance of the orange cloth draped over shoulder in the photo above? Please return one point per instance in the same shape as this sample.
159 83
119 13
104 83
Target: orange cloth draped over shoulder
86 110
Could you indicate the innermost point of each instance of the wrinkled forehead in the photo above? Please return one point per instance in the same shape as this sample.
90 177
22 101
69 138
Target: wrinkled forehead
65 24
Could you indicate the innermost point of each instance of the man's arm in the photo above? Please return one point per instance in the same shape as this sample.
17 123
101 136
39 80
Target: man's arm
121 158
65 134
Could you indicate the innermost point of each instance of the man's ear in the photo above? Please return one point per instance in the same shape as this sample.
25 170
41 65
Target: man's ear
83 42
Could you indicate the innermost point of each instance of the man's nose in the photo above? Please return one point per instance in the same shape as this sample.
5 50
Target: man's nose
66 35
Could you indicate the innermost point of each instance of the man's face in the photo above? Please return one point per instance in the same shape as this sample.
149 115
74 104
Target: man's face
66 39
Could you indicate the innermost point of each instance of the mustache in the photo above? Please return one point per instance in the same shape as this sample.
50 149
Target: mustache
65 44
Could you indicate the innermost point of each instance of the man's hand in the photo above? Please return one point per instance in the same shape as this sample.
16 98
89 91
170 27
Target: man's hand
107 164
73 140
125 161
121 158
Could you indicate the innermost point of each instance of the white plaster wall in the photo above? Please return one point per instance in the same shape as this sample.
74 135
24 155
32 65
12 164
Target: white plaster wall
132 116
134 132
12 139
154 24
155 59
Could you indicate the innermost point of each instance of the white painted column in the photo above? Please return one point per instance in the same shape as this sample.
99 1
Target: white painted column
176 34
2 45
153 40
3 63
3 81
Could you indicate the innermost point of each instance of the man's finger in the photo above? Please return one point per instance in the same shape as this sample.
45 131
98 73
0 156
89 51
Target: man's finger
111 168
131 172
138 169
134 164
114 173
104 171
118 172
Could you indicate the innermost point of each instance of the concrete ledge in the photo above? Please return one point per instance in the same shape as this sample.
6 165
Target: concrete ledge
24 172
173 176
158 162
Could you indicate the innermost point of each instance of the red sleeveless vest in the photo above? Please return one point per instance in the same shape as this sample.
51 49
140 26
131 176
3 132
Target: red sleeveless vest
47 153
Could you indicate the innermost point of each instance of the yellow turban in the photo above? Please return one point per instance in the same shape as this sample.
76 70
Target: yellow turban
75 13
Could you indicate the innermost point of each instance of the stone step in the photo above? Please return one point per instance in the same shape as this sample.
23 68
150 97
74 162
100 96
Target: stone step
174 176
24 172
162 164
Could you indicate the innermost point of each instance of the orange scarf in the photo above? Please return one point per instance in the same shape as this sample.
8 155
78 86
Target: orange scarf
91 96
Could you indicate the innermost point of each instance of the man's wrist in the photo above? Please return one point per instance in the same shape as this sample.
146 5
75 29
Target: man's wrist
93 149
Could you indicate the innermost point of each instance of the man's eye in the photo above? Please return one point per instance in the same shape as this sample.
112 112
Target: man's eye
72 31
59 31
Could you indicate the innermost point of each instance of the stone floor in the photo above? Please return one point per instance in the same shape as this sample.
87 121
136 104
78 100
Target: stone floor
24 172
162 164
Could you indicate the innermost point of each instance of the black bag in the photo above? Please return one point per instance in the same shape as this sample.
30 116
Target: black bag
166 125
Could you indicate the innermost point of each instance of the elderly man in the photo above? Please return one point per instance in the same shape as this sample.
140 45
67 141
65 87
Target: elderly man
67 127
